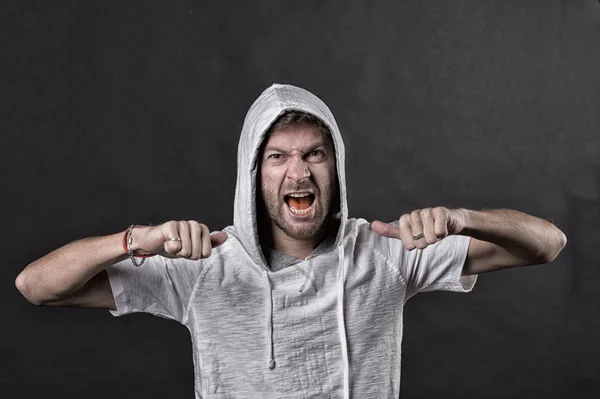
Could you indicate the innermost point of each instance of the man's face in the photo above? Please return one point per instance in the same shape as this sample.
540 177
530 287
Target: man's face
298 180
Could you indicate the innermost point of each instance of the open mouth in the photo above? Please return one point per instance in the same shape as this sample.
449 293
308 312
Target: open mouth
300 203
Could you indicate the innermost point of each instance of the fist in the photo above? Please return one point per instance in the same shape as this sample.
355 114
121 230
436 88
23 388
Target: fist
422 227
190 240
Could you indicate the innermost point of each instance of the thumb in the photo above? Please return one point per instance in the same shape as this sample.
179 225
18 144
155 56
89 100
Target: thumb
218 238
385 229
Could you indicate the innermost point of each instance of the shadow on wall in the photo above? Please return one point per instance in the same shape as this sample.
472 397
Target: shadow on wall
581 347
592 9
583 212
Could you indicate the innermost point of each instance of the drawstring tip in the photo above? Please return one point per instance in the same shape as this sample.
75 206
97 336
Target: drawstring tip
271 364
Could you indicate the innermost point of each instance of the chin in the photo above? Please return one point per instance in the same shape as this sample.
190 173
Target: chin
305 232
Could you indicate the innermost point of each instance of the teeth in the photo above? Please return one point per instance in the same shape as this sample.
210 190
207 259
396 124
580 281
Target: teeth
297 195
300 211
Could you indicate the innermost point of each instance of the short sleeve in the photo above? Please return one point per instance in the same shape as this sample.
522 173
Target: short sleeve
437 267
161 286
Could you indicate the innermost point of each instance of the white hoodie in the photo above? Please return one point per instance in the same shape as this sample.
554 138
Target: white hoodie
259 333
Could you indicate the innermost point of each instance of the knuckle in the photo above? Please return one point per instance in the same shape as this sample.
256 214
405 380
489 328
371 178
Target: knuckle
195 226
404 219
415 213
171 248
440 210
431 240
185 253
206 254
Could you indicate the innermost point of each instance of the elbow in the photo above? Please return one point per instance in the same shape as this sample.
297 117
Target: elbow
23 284
562 240
558 243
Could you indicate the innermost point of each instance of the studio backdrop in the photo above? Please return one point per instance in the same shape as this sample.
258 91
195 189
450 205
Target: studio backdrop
113 113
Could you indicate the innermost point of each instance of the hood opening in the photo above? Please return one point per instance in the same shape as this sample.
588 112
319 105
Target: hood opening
288 118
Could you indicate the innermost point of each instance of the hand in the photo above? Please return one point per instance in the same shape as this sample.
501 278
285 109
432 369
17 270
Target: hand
195 242
430 225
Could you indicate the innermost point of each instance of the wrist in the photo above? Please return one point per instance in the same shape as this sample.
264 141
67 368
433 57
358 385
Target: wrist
137 239
464 220
130 249
132 241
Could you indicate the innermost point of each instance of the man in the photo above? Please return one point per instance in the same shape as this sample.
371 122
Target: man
295 299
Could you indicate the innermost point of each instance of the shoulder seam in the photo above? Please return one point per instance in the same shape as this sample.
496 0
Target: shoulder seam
198 282
389 264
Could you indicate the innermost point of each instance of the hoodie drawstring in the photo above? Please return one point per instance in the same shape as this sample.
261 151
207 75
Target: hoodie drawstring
269 332
340 314
341 322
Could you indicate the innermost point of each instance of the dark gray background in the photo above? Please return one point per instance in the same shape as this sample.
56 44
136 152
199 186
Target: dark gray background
129 112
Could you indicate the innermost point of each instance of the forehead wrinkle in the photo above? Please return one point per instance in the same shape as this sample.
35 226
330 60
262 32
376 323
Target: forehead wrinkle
290 140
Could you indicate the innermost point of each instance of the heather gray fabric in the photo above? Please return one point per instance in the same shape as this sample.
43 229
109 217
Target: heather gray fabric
328 326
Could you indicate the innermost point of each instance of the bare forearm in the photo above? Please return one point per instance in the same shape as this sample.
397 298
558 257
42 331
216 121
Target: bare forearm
67 269
527 237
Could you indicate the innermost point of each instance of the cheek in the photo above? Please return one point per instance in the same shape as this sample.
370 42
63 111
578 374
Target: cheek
326 177
270 182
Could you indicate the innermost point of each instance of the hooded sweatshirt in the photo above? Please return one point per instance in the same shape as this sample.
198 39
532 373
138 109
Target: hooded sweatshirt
328 326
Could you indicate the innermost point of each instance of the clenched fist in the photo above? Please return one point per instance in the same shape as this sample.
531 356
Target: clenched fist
423 227
190 240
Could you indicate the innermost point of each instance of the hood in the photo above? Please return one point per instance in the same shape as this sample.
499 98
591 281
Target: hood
273 102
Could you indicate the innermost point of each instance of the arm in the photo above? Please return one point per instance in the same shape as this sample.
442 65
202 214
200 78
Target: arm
505 238
74 275
500 238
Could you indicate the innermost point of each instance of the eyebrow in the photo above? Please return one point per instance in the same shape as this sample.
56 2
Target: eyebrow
312 148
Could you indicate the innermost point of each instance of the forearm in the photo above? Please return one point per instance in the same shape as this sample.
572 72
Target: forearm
67 269
527 237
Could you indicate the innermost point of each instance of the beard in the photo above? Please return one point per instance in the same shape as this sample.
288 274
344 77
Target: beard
273 206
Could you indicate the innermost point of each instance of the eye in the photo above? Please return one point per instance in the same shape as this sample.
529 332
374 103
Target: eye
275 156
316 153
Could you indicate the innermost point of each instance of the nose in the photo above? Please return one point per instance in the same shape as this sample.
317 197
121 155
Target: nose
298 170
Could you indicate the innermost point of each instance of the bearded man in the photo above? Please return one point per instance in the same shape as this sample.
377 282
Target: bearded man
295 299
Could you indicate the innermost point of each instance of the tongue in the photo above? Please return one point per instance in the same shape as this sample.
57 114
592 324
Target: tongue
299 203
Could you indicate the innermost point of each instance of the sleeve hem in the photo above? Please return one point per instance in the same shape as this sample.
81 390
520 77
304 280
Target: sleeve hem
466 283
116 285
455 280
